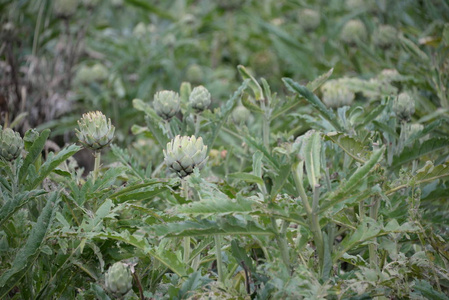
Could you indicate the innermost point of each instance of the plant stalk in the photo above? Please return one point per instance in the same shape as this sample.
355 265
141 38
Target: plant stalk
372 248
186 241
97 156
217 239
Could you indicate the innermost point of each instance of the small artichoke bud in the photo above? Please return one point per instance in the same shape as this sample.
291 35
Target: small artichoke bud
11 144
353 31
95 131
184 154
385 36
309 19
119 279
99 72
264 63
65 8
166 104
336 94
404 106
195 74
200 98
240 114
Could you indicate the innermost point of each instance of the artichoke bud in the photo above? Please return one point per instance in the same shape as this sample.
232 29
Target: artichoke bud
119 279
336 94
200 98
195 74
184 154
11 144
385 36
65 8
166 104
91 3
240 114
309 19
353 31
95 131
404 106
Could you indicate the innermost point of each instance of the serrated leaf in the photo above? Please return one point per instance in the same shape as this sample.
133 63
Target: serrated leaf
430 172
224 114
52 163
209 228
33 153
30 251
353 182
426 289
311 151
14 204
418 150
214 206
245 177
317 82
349 145
314 101
246 101
253 84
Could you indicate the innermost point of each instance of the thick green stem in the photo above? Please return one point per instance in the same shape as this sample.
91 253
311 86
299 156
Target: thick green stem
266 125
97 164
312 215
186 241
197 124
282 242
372 248
219 258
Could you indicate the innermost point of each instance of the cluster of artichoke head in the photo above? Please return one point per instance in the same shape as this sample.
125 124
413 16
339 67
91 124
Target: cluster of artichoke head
168 103
11 144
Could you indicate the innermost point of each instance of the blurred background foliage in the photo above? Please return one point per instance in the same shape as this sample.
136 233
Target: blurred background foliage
59 59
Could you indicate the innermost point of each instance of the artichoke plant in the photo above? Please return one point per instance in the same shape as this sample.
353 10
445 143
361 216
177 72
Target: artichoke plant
95 131
167 104
119 279
184 154
200 98
65 8
11 144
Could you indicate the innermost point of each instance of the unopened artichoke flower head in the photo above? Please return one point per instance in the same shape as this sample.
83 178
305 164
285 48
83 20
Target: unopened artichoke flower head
11 144
184 154
167 104
119 279
200 98
95 130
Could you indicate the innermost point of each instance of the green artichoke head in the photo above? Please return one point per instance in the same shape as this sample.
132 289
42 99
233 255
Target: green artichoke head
167 104
184 154
404 106
336 94
11 144
385 36
309 19
119 279
353 31
95 131
240 114
200 98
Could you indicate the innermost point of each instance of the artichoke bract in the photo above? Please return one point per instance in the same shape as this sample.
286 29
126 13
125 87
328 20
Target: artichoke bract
167 104
11 144
119 279
95 131
184 154
200 98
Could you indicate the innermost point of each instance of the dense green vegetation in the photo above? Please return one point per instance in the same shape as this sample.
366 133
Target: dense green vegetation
224 149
